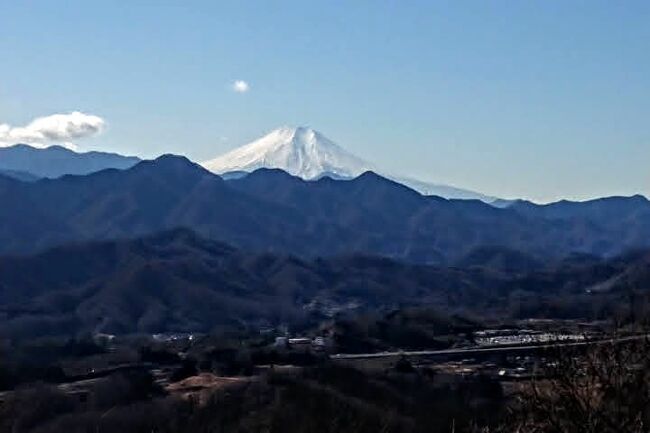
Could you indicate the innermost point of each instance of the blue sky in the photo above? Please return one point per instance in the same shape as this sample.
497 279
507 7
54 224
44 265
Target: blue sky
535 99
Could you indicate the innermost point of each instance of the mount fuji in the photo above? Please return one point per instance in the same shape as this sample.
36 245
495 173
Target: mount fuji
308 154
301 152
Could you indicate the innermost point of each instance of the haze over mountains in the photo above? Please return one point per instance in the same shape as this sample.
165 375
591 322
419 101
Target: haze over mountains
55 161
127 245
270 210
301 151
323 202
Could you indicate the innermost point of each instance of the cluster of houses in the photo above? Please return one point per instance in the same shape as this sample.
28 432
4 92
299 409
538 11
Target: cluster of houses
498 337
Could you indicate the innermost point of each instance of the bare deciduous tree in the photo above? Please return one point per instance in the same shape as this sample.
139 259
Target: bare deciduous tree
603 389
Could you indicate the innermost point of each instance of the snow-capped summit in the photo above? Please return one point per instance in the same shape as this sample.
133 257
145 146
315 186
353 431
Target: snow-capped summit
308 154
301 151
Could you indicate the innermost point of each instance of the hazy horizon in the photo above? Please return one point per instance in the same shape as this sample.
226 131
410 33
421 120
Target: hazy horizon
542 101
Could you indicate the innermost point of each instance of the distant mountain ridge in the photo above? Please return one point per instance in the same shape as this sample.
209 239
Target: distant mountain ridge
56 161
445 191
308 154
302 152
19 175
270 210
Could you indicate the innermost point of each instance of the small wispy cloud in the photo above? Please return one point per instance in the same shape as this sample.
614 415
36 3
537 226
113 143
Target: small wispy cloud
240 86
54 129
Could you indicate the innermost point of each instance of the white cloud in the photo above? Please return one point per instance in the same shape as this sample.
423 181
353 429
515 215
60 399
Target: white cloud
54 129
240 86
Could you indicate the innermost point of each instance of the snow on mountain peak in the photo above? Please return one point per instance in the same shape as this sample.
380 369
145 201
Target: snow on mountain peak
301 151
306 153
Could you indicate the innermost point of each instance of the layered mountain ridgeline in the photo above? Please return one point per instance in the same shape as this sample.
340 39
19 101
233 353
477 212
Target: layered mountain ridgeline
152 196
308 154
177 281
19 175
270 210
56 161
401 223
614 216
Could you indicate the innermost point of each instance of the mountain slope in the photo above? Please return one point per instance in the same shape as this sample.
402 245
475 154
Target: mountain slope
56 161
270 210
301 152
390 219
308 154
178 281
25 224
445 191
152 196
612 215
19 175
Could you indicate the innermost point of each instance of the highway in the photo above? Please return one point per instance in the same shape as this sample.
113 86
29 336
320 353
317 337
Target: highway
484 350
